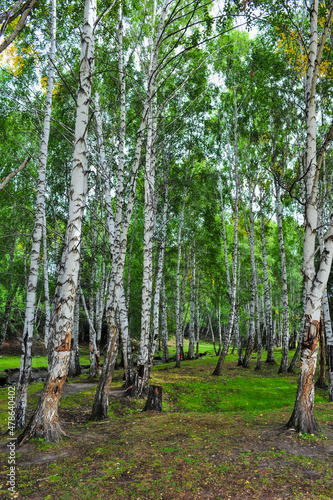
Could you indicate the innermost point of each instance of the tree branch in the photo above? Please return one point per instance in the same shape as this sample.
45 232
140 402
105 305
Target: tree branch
12 174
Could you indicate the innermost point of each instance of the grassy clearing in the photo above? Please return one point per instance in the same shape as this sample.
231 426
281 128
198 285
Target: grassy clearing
217 438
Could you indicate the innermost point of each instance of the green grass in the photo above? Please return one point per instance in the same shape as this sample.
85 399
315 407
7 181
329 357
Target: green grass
217 437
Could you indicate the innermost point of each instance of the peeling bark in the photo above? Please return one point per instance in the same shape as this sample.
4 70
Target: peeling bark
44 422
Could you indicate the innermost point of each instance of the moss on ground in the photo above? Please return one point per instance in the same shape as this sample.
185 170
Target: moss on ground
217 438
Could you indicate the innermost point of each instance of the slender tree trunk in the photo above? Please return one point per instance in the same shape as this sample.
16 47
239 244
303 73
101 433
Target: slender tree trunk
302 418
227 339
258 327
142 373
219 331
127 346
164 324
296 356
74 368
10 294
179 344
284 285
26 359
197 306
160 272
93 351
250 338
191 345
46 286
268 317
123 218
45 422
322 358
329 344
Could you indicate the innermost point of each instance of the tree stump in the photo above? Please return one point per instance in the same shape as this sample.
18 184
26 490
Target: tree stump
154 400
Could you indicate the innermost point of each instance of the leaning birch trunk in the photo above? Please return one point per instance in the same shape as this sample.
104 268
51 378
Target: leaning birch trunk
122 221
268 317
302 418
250 338
45 422
232 311
25 367
284 284
191 345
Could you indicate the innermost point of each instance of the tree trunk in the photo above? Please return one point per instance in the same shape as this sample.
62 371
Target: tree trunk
322 358
302 419
142 373
160 273
26 359
46 286
227 339
191 344
154 400
250 338
123 217
268 317
45 422
74 368
164 324
284 285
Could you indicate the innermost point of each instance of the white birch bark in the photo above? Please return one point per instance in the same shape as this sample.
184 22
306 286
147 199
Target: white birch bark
251 333
197 323
164 324
160 272
179 342
45 421
284 284
93 350
302 418
232 311
191 345
46 286
329 343
74 368
122 221
258 328
25 366
121 304
142 373
268 317
100 304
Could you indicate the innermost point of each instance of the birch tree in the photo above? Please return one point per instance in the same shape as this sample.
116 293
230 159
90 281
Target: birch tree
45 421
302 418
27 337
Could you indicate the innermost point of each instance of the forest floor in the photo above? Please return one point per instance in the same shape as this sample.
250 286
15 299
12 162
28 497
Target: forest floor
216 438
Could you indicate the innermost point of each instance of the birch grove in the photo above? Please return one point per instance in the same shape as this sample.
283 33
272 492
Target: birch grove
166 191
